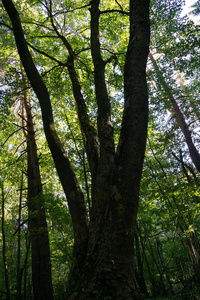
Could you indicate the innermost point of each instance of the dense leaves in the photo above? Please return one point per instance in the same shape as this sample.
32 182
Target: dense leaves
167 241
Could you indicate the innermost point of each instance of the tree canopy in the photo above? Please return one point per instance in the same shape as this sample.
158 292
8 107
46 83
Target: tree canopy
99 156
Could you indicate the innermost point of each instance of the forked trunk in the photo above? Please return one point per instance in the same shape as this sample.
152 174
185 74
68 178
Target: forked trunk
108 271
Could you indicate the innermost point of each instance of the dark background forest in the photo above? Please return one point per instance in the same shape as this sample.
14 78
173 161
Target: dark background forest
167 231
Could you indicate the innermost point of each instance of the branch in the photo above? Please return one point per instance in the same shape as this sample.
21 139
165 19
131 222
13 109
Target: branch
184 166
105 129
47 55
48 71
114 11
64 40
133 135
82 50
101 187
11 135
92 146
119 5
71 10
6 25
24 222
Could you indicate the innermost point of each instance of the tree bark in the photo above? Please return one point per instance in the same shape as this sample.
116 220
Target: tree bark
19 274
89 132
25 265
109 269
5 266
140 267
40 249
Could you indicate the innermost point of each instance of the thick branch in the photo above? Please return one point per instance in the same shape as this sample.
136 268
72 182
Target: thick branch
104 110
66 174
92 147
131 148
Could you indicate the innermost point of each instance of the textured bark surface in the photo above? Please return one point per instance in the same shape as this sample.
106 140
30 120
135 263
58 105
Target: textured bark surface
109 268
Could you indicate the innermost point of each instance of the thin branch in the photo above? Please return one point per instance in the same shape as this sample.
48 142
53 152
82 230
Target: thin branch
23 151
39 25
43 37
48 71
70 10
82 50
64 40
155 157
111 58
11 135
119 5
24 222
114 11
113 53
47 55
6 25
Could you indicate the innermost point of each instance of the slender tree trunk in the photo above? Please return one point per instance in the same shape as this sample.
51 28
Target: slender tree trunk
163 267
40 250
5 266
190 243
161 289
19 273
194 154
149 269
140 267
28 243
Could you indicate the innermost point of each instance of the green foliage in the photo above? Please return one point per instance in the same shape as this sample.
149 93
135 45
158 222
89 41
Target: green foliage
196 8
169 219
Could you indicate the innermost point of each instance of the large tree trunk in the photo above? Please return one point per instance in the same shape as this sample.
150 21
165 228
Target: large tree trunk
109 268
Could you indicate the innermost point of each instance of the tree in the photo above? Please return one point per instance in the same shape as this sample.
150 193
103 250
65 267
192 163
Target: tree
4 243
41 265
103 241
195 8
194 154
